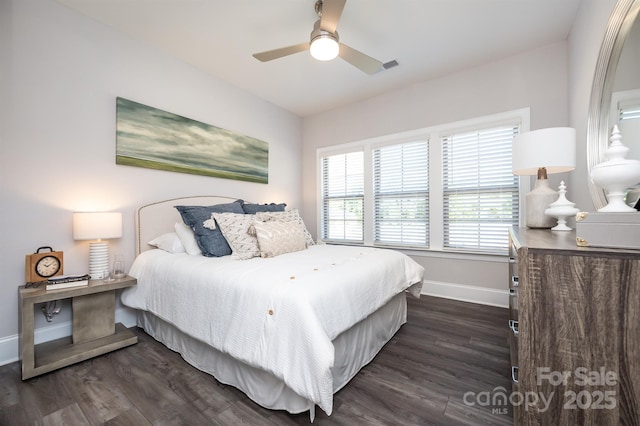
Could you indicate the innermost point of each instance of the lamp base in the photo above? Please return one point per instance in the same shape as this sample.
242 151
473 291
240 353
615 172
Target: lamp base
99 260
537 201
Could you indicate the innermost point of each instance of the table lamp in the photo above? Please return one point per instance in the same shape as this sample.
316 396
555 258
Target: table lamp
97 226
542 152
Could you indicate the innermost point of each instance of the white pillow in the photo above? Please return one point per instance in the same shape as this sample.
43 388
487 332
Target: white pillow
235 227
275 237
168 242
286 216
188 239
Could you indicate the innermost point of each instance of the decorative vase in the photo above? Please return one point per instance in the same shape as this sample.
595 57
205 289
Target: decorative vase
561 209
616 175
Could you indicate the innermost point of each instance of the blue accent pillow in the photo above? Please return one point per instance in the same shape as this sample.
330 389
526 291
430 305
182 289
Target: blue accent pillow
255 208
211 242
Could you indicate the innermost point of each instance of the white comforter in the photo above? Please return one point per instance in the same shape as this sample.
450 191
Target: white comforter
279 314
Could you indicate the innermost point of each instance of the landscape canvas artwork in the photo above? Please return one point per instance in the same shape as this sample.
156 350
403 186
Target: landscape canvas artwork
151 138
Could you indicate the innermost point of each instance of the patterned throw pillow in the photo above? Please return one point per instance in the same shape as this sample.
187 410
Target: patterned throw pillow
235 228
275 237
286 216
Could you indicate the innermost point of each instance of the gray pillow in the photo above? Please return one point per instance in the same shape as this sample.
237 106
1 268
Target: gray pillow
211 241
255 208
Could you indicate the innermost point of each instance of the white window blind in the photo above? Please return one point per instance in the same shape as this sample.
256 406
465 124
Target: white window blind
401 194
343 197
629 123
480 192
629 113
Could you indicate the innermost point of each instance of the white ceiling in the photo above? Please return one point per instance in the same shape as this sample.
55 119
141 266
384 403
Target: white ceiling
428 38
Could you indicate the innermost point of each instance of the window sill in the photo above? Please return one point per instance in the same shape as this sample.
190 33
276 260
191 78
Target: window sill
445 254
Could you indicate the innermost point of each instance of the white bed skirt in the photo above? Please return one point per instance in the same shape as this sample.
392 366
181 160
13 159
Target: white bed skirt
354 349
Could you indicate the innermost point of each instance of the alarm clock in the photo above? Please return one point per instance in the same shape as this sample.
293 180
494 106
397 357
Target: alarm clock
42 266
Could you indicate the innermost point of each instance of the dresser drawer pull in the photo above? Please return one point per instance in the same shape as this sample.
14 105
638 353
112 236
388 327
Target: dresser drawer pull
513 325
515 280
514 373
512 259
512 292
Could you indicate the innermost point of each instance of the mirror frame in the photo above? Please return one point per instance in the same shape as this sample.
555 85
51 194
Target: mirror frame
598 122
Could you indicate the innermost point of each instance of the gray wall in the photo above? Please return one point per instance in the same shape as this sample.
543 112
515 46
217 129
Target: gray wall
61 73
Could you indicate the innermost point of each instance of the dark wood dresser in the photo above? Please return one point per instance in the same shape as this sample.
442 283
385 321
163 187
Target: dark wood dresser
575 331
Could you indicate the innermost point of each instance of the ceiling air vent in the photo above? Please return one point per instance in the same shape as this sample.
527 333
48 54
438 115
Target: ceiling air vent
390 64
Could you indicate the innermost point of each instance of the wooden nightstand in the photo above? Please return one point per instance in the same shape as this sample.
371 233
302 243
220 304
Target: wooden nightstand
94 329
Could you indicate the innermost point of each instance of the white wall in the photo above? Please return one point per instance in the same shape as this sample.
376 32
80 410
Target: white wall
535 79
61 73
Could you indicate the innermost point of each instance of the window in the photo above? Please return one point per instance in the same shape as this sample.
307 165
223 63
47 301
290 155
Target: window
480 193
629 122
401 194
630 113
446 188
343 197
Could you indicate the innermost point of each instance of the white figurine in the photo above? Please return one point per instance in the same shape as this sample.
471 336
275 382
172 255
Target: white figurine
561 209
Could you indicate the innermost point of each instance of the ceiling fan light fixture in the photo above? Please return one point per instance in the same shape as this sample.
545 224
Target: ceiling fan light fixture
324 47
324 42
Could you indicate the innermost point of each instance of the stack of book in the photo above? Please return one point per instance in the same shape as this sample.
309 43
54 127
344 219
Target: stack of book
66 281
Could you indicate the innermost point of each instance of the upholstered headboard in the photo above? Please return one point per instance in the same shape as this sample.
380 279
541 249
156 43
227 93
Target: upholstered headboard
159 218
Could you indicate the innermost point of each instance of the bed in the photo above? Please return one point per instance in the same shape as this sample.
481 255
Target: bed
289 330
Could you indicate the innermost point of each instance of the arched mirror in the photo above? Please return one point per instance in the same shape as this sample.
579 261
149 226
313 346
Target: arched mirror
615 91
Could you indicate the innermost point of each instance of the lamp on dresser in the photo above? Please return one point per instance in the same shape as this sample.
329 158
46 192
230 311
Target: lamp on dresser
97 226
543 152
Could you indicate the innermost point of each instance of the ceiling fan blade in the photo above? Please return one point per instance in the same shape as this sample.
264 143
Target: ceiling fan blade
359 60
270 55
331 12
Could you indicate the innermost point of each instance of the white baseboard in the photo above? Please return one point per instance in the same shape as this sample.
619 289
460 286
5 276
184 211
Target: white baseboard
9 346
467 293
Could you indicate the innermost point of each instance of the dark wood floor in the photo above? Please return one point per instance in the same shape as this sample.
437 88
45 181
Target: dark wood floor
446 349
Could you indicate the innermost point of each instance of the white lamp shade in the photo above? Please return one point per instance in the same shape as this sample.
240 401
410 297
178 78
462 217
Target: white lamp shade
324 47
553 148
97 226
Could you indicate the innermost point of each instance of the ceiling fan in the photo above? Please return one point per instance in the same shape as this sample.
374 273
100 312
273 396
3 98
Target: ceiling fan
324 43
